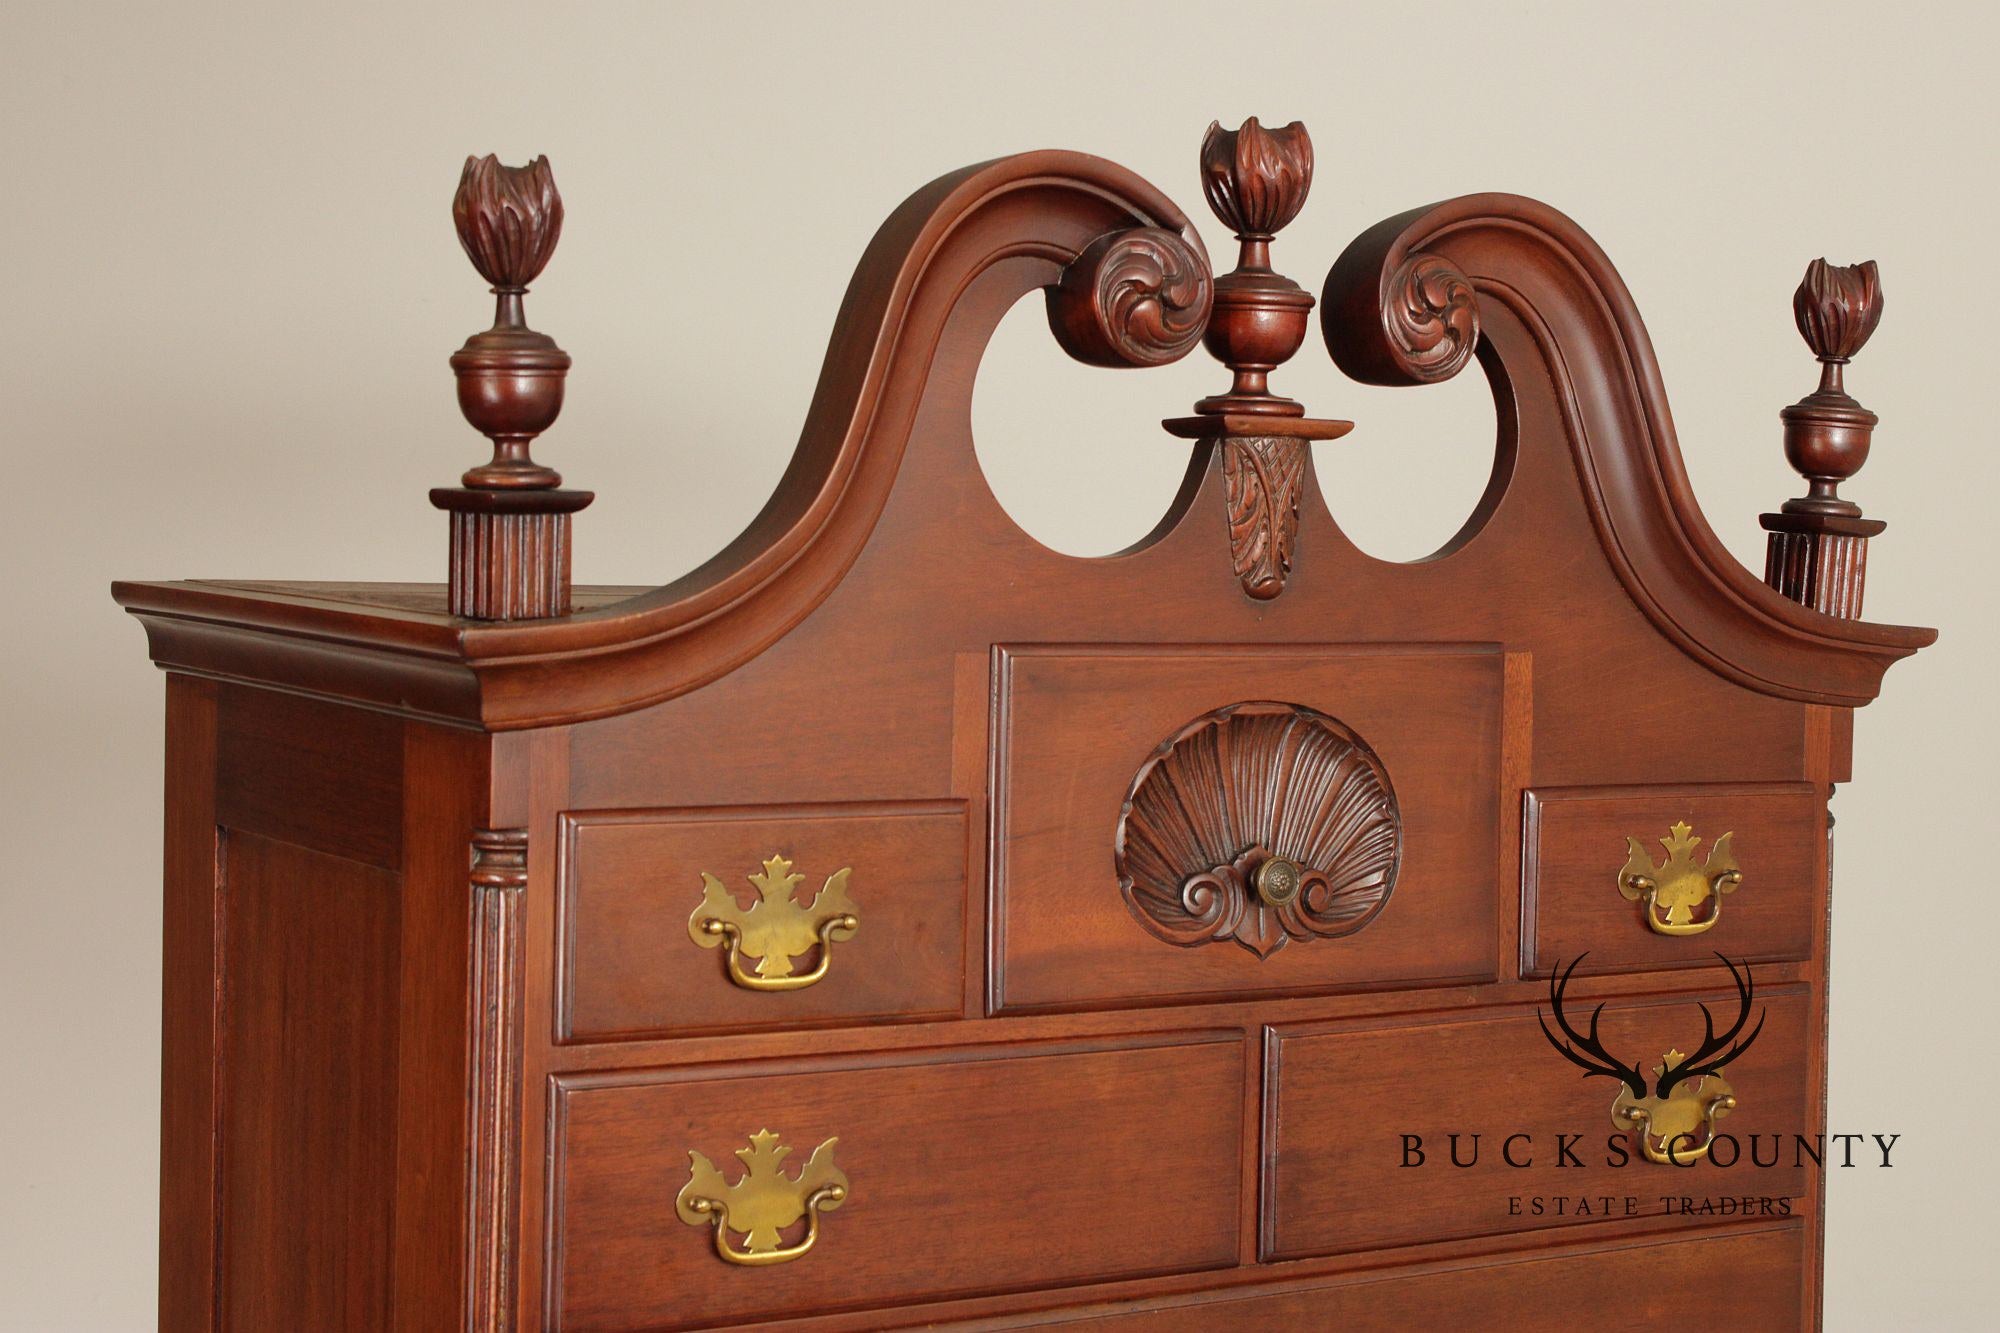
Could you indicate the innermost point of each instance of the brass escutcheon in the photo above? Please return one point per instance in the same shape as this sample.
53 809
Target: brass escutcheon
1674 890
776 928
764 1202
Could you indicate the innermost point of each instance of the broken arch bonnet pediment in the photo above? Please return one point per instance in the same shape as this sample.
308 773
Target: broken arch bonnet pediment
1414 300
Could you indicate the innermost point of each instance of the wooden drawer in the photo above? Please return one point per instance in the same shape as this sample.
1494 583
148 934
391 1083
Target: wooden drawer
1339 1101
980 1169
1577 849
1741 1281
1081 734
634 881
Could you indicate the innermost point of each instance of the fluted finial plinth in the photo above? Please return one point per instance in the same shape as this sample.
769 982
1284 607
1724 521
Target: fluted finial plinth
1817 550
510 523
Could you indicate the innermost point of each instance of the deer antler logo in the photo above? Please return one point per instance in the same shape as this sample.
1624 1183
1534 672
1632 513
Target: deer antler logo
1675 1124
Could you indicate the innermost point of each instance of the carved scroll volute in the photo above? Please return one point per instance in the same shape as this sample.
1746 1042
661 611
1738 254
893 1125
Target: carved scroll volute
510 553
1817 550
1139 297
1417 324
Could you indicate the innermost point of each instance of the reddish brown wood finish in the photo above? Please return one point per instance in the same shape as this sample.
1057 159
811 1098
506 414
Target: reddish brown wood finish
308 1108
1075 724
494 1039
314 1104
1329 1189
1757 1271
429 872
190 1012
1058 1163
631 880
1573 846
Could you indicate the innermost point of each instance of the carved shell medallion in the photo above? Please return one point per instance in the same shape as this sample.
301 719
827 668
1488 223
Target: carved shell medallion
1259 787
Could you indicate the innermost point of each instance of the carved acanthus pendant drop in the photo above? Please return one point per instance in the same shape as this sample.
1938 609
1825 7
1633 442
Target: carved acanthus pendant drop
1263 476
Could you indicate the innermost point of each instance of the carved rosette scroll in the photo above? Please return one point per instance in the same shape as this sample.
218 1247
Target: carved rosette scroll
1259 823
1431 315
1138 297
1263 476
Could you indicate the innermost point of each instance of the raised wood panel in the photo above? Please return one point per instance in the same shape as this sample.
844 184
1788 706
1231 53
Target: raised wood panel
972 1170
306 1183
1076 724
1742 1281
632 879
1340 1099
1574 845
311 773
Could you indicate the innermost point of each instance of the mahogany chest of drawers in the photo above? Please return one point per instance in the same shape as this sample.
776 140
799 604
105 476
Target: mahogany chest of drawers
896 922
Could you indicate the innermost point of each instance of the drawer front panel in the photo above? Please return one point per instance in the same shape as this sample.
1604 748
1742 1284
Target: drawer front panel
634 881
1339 1178
1754 1281
1636 876
1123 777
980 1169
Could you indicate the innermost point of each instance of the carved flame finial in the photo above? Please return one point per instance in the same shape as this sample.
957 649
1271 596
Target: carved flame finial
509 219
1256 179
1837 308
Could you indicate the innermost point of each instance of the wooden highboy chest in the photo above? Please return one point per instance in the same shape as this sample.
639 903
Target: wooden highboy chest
896 922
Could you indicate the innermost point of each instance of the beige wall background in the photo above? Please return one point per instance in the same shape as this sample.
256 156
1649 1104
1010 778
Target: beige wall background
231 285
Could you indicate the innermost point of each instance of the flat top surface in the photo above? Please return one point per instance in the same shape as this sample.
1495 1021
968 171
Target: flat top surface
421 598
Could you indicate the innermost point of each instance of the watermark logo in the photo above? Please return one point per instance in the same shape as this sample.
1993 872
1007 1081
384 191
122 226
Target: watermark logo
1675 1121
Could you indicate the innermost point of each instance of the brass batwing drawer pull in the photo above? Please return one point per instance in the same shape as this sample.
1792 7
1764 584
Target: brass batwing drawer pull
1676 889
1674 1115
1678 1128
765 1201
776 928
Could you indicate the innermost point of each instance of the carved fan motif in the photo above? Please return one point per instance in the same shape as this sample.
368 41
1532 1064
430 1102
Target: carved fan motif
1244 785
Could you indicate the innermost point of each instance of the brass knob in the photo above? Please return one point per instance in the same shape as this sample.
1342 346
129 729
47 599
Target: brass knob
1278 880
